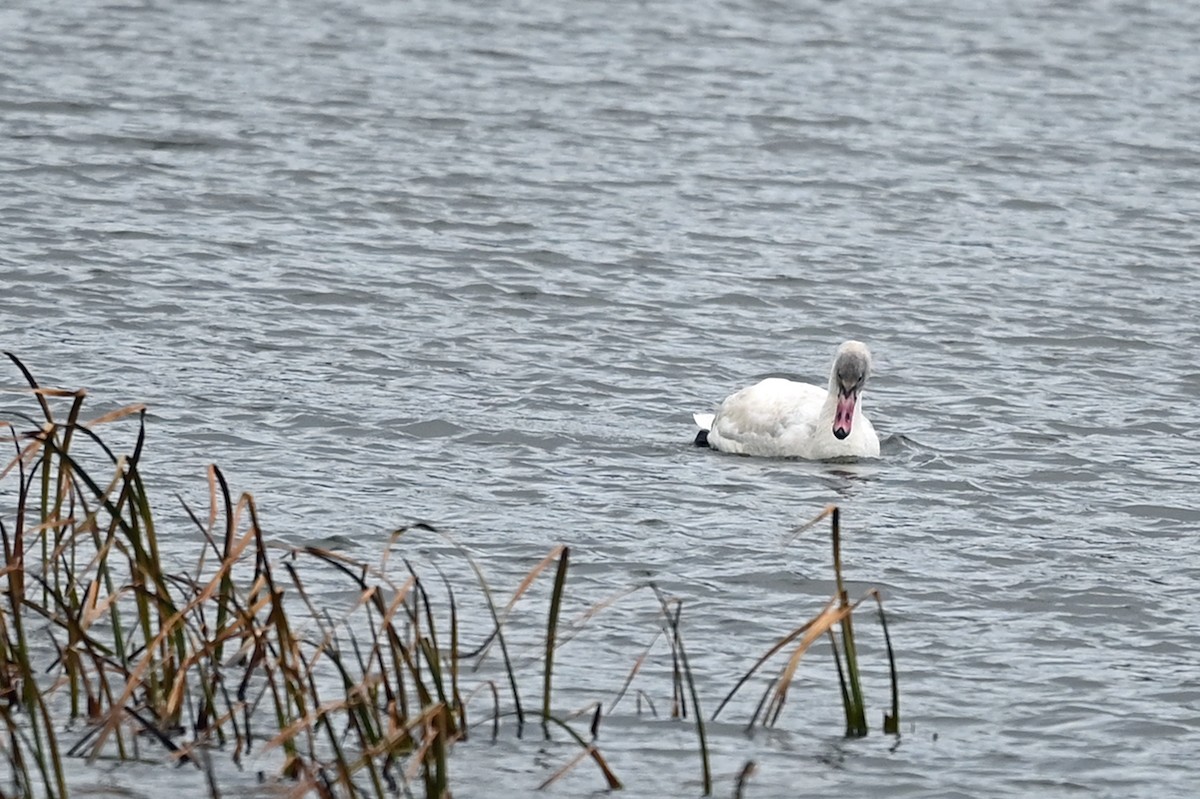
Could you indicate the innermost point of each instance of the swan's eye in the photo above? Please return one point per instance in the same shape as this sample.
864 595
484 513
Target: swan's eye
849 385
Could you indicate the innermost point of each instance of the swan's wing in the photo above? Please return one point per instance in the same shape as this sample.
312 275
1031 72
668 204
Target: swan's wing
771 404
704 420
771 417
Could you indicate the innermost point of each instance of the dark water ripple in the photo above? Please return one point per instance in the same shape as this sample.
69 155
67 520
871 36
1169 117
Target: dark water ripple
477 265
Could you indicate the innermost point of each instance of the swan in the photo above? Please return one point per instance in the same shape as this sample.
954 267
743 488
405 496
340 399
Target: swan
783 418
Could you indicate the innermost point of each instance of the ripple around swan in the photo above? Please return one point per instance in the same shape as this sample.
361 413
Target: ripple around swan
477 265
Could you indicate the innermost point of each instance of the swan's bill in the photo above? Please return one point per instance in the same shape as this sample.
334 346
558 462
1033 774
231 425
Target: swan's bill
843 416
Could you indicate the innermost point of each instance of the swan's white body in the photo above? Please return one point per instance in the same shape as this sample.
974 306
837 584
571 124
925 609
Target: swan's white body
783 418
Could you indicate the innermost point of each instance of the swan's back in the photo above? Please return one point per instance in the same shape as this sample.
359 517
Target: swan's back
774 417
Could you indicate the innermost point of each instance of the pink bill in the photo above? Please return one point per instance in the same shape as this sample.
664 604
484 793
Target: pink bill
843 417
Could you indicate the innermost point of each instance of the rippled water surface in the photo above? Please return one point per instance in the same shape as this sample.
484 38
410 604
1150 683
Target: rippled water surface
476 264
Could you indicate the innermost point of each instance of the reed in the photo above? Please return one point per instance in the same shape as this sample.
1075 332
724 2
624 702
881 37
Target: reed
835 621
683 678
362 698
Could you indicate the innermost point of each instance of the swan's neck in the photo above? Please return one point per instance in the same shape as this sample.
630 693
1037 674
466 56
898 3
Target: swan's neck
829 407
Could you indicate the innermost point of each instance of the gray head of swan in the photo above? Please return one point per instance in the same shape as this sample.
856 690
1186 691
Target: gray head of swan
851 367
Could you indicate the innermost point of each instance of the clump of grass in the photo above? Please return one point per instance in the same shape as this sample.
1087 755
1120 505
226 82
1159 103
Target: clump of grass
358 698
836 622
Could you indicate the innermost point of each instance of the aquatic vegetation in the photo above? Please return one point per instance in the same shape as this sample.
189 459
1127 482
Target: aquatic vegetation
838 614
357 692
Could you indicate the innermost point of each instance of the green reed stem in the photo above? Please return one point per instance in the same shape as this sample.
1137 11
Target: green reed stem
678 647
560 579
891 722
856 715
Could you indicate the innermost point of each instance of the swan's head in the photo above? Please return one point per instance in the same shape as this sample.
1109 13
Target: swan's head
851 367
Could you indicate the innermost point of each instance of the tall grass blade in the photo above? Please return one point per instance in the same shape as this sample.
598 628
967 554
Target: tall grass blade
891 721
677 645
560 579
856 711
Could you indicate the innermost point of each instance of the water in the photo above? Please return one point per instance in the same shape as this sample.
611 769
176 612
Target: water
477 265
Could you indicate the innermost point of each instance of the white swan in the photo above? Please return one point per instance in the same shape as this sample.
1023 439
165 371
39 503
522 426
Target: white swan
783 418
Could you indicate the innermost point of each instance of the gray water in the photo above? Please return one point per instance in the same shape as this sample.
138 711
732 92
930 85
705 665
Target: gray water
476 264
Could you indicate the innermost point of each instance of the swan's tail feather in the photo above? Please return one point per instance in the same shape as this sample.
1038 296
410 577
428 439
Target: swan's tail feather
704 420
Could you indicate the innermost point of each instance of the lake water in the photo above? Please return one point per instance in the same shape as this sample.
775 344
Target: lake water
476 264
